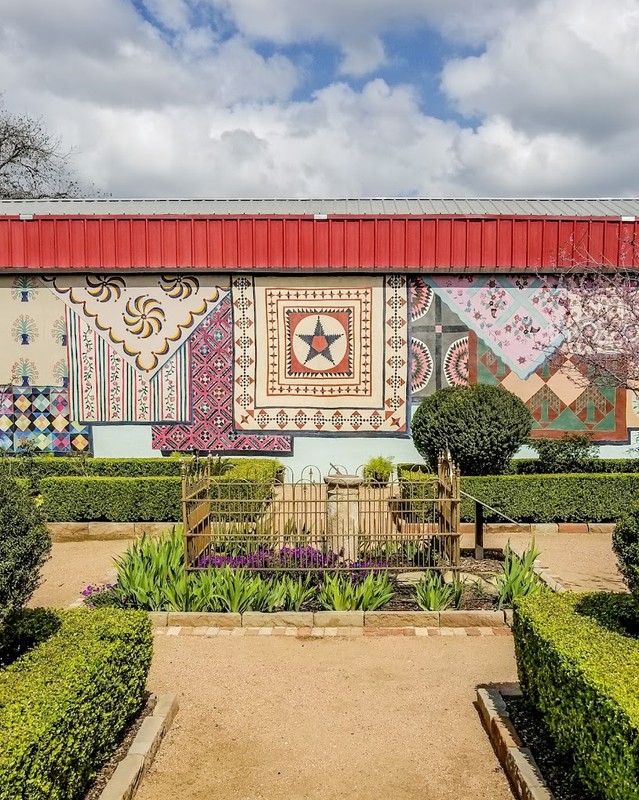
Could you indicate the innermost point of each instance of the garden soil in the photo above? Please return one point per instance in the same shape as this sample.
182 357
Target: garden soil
278 718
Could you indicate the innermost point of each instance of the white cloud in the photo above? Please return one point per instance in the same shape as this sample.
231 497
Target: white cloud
561 65
356 25
195 108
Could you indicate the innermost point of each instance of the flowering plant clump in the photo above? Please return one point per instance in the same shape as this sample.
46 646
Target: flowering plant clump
293 558
105 595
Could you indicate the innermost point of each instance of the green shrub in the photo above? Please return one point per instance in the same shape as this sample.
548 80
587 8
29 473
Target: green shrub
536 498
36 468
519 578
111 499
584 680
24 545
338 592
482 426
625 543
534 466
24 629
432 593
65 704
378 470
572 453
144 499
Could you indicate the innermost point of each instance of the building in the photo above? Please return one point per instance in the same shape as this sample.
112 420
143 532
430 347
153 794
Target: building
306 329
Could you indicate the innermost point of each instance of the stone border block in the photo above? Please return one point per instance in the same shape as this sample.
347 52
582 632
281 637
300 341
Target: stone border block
124 782
573 527
108 531
602 527
544 528
277 619
68 531
338 619
153 528
517 760
159 619
472 619
401 619
207 619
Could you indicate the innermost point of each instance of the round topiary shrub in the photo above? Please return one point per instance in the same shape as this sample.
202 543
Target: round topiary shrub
482 426
24 545
625 543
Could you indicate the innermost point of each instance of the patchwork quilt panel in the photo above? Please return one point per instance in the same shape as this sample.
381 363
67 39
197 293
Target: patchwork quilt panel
211 379
438 343
518 317
105 388
33 334
40 414
144 318
321 355
557 396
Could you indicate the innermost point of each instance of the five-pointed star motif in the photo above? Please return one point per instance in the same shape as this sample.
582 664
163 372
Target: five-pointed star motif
319 342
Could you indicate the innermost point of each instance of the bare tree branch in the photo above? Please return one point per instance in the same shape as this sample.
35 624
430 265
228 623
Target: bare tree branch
32 162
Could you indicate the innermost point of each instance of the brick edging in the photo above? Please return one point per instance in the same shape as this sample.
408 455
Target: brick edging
125 781
517 760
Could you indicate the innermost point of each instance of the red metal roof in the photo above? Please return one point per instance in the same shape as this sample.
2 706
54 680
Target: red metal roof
449 243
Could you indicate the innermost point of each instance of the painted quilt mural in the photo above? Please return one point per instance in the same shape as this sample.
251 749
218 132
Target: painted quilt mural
104 387
246 365
557 397
40 415
34 395
144 318
321 355
517 317
438 342
211 376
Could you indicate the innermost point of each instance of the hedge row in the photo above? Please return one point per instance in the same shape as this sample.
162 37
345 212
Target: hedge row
584 679
158 499
530 466
539 498
39 467
65 704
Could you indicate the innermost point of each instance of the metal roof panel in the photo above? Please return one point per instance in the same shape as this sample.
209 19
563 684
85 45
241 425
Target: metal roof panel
379 206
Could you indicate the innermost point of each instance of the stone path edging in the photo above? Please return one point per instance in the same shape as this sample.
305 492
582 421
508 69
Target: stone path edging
124 782
107 531
517 760
331 619
325 633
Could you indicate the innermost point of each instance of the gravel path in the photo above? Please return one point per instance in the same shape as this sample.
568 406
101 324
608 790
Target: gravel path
583 562
366 719
72 566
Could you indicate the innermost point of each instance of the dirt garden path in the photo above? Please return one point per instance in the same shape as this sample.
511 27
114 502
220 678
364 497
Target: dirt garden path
276 718
582 562
72 566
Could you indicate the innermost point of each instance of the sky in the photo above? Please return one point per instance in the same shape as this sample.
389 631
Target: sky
338 98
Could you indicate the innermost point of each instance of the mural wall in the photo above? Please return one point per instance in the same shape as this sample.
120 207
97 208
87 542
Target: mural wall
250 364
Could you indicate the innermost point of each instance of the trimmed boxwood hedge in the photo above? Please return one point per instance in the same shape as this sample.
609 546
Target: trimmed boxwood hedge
65 704
146 499
539 498
38 467
530 466
583 678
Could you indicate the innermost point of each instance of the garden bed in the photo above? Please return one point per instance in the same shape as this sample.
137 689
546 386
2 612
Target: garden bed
306 581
